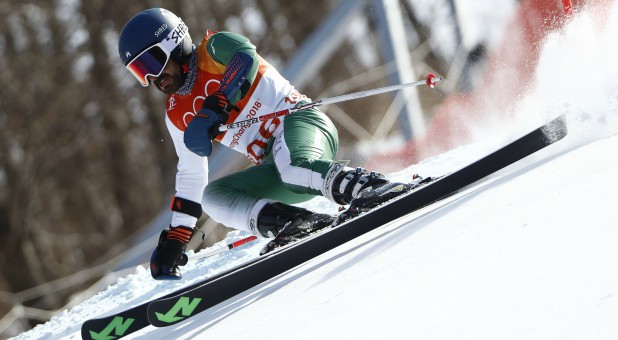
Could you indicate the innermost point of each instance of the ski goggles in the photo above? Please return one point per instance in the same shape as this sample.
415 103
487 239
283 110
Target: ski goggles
152 61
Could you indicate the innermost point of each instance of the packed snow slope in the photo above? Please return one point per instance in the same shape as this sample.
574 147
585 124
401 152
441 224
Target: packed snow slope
528 253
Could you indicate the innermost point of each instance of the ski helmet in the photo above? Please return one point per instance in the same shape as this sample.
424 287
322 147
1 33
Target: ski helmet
150 39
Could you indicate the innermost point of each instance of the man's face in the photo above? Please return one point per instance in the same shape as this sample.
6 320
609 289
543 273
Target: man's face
169 80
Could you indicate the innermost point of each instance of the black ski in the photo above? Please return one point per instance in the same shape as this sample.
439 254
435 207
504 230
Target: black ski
189 302
126 322
123 323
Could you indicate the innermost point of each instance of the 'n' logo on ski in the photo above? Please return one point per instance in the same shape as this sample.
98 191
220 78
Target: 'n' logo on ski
185 306
118 326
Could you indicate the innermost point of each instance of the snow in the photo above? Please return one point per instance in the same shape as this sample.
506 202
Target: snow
528 253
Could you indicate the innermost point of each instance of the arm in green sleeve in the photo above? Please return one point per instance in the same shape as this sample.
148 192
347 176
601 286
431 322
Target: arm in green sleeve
224 45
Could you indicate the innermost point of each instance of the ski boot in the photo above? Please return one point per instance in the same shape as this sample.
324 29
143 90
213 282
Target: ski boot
364 190
288 223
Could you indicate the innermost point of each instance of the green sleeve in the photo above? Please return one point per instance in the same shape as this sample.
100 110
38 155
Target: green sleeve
224 45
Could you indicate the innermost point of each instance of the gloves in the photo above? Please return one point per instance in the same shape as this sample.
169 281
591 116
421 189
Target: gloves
170 253
205 125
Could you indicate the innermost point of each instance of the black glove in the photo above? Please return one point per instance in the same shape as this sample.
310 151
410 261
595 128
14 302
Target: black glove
205 125
170 253
218 104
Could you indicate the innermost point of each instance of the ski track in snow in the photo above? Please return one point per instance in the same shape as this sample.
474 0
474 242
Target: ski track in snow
527 253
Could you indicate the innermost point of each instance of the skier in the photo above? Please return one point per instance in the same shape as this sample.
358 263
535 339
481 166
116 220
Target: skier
221 81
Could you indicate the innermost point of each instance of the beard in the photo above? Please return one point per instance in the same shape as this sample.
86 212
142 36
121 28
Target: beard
168 83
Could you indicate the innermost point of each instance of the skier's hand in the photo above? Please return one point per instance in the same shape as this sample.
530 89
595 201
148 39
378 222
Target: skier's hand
218 104
170 253
205 125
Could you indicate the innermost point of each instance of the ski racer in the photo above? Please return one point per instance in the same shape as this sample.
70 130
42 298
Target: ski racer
221 81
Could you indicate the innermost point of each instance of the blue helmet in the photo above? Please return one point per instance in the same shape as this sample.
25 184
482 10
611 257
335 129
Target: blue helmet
150 39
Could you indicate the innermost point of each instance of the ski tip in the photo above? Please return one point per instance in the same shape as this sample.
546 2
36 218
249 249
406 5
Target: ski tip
556 129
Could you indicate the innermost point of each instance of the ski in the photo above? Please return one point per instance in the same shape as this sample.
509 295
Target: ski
168 310
230 282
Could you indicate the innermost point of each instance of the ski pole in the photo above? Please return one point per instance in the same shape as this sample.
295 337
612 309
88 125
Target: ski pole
213 252
430 81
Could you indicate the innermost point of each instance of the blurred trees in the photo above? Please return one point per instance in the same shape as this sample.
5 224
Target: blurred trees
82 162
